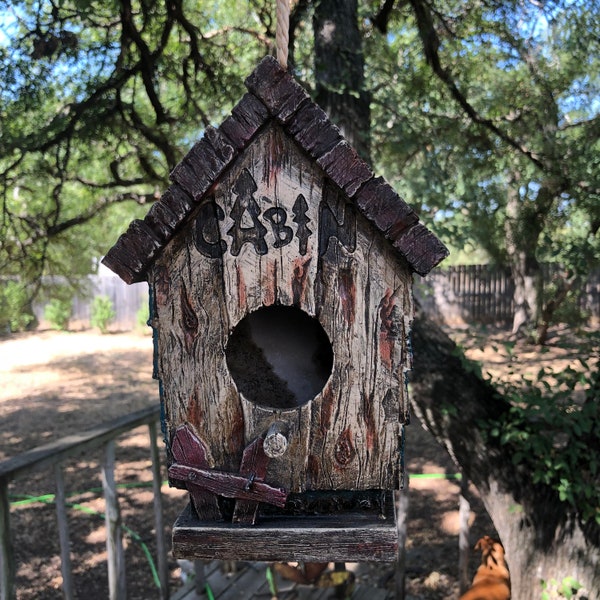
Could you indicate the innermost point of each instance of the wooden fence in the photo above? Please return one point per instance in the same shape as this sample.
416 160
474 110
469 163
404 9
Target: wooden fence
484 294
130 303
462 294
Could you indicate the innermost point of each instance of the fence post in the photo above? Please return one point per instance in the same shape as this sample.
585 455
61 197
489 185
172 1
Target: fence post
161 547
7 557
117 584
63 533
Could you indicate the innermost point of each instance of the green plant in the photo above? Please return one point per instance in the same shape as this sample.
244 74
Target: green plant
102 313
14 308
549 430
567 588
58 312
142 316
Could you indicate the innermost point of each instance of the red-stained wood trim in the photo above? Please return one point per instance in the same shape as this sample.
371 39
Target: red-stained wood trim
254 466
229 485
188 449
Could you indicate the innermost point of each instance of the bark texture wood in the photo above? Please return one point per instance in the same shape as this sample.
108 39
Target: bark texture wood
339 60
276 231
276 209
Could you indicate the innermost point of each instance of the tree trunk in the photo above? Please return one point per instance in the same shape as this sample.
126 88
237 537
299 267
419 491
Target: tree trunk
524 224
542 541
521 241
568 282
528 282
339 70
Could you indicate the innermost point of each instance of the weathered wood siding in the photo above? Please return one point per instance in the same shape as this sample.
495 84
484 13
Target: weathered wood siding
276 231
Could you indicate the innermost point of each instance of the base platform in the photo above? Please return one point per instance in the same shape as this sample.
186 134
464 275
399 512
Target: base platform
348 536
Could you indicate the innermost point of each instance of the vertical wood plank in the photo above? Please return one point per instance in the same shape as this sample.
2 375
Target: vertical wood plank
464 510
199 577
7 557
117 587
402 503
161 546
63 533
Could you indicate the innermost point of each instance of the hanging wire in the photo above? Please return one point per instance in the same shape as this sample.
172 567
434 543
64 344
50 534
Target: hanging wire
282 33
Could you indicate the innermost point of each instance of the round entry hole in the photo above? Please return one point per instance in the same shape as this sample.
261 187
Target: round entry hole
279 357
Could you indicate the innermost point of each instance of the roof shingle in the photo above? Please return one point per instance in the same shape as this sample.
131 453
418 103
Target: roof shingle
273 94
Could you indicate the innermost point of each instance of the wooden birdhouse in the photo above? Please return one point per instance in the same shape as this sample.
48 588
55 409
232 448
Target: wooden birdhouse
280 271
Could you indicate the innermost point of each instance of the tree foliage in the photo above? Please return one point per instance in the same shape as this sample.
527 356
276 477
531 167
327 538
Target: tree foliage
529 449
498 131
98 103
548 435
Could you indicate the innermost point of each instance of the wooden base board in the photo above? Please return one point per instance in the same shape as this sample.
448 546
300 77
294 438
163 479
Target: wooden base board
351 536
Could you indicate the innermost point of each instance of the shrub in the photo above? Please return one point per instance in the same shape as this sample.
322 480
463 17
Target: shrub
567 588
15 313
103 313
551 432
58 312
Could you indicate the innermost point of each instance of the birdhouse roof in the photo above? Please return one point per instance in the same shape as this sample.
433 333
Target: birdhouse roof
273 94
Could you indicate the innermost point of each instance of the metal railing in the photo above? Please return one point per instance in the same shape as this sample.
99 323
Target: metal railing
53 456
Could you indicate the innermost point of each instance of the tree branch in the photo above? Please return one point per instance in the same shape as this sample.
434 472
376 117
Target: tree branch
147 60
381 19
97 209
459 408
175 8
431 45
153 135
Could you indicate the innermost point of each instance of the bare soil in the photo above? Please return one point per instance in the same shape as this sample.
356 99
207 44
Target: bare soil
55 383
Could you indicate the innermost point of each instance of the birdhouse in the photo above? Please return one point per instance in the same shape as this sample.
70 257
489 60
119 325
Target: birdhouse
280 270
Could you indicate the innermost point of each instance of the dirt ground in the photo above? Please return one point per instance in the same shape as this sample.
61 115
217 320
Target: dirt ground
56 383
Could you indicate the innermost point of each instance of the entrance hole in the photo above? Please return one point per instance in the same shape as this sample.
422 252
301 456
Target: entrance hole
279 357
